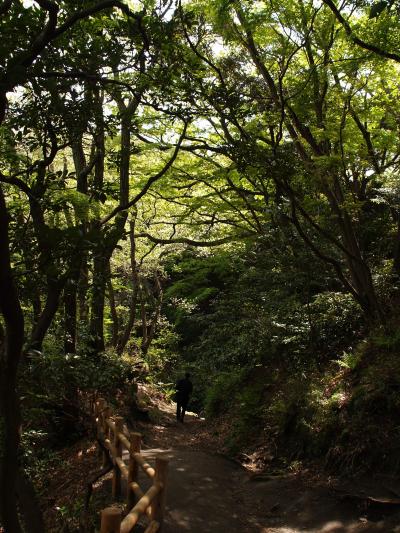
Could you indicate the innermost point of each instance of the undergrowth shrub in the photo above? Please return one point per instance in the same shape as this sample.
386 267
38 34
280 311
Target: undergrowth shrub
368 435
50 382
223 392
53 373
161 358
319 391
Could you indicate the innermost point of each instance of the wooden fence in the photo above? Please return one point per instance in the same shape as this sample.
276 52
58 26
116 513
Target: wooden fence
115 437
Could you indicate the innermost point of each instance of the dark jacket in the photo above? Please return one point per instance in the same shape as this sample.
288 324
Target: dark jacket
184 389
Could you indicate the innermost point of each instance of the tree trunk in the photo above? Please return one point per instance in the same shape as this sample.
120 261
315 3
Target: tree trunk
151 330
29 505
359 270
83 286
124 338
111 239
36 305
113 309
70 314
96 328
101 260
71 287
144 319
363 288
54 289
10 358
54 281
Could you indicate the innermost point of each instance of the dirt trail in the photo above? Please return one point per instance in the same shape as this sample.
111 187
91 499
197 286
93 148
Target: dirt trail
209 493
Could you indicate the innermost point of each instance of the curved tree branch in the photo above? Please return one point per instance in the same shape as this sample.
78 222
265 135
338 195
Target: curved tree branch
17 183
101 6
356 40
191 242
150 181
327 259
17 68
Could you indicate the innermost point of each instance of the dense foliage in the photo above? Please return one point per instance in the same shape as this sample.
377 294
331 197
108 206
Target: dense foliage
208 185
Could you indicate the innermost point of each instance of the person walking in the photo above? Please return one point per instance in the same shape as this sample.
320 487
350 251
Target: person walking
184 389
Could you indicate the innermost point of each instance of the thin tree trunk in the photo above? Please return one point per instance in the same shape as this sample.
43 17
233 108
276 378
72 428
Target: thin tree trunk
36 305
54 289
70 314
359 270
124 338
113 309
96 329
100 255
103 253
144 319
10 358
55 281
151 330
71 287
83 286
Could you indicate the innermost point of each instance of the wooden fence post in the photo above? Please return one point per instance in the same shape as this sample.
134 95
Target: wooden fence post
158 504
116 481
136 443
92 401
106 429
106 432
100 406
111 520
96 411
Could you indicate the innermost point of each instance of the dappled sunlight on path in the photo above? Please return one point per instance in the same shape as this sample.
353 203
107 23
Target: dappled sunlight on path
202 492
209 493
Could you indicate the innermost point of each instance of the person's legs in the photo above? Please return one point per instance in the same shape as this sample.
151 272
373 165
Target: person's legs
179 410
184 406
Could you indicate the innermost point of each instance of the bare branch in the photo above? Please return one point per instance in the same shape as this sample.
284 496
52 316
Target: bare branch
317 227
45 36
50 32
191 242
327 259
17 183
80 75
101 6
356 40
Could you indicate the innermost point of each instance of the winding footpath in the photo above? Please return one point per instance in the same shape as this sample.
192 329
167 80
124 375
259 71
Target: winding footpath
208 493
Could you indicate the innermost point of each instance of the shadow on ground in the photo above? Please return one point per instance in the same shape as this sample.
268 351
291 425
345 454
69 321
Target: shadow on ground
207 493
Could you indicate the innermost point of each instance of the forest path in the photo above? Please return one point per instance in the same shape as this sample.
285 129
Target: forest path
208 493
203 493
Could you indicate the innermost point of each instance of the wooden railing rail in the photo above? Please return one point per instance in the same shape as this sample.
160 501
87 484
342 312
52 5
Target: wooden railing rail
116 437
